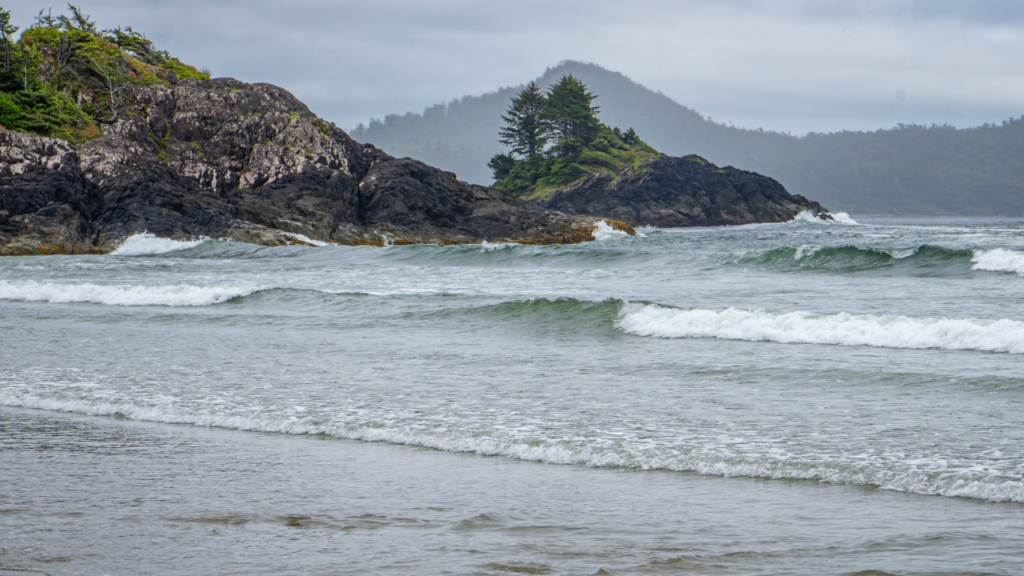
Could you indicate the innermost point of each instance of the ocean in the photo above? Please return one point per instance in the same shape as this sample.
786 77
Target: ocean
801 398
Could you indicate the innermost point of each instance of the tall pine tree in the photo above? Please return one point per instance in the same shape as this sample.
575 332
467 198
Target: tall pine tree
525 131
571 114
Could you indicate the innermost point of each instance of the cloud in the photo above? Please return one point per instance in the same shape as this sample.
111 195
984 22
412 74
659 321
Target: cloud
788 65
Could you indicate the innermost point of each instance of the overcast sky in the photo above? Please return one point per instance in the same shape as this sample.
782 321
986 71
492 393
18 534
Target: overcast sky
798 66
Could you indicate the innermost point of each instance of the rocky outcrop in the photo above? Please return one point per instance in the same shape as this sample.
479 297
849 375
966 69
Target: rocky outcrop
248 162
687 191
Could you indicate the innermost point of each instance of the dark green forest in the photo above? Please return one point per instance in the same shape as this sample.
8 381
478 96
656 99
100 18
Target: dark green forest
909 169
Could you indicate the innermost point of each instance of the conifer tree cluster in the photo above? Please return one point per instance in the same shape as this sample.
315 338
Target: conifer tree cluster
555 137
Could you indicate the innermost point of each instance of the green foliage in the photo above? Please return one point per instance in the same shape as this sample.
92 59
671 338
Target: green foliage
324 128
525 129
64 76
501 165
581 144
571 115
6 31
541 176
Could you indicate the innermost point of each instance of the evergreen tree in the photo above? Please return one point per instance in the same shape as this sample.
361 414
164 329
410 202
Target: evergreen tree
6 31
571 114
630 137
501 165
525 132
78 21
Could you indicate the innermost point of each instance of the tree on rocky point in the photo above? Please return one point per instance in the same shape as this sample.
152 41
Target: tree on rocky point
525 131
570 112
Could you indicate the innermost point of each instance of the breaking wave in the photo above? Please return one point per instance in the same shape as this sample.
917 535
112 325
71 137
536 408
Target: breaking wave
837 218
999 260
923 259
122 295
147 244
841 329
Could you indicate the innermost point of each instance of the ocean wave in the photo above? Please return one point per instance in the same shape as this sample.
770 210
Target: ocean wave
606 232
122 295
999 260
837 218
306 239
935 475
147 244
836 329
925 259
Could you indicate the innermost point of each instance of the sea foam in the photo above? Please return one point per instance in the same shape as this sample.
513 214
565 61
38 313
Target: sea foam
838 329
606 232
305 239
147 244
837 217
122 295
999 260
933 476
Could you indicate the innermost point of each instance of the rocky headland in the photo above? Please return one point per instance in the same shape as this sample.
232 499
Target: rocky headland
668 191
103 136
563 157
246 162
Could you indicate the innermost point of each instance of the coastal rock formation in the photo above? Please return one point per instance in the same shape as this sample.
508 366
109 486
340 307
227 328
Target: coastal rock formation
249 162
688 191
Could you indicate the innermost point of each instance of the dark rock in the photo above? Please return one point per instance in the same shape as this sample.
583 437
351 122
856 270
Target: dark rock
686 191
249 162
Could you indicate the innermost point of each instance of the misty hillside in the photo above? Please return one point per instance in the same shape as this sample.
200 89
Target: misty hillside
906 170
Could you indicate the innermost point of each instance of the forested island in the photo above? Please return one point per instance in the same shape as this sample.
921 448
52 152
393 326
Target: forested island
906 169
561 156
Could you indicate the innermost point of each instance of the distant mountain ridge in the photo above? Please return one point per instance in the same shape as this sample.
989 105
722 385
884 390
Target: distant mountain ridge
909 169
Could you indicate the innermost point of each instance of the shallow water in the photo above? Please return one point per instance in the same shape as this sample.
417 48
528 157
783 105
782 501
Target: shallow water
877 363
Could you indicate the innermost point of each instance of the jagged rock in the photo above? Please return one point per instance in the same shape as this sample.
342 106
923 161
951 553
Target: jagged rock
249 162
687 191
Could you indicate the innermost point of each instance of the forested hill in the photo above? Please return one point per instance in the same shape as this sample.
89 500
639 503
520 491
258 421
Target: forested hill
909 169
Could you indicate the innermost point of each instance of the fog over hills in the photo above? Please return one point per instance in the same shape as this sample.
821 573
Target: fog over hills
910 169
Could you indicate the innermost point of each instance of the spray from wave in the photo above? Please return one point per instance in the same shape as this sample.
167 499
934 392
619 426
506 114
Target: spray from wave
841 329
147 244
837 218
999 260
122 295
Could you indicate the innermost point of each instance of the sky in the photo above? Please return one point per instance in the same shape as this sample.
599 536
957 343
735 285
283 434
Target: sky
789 65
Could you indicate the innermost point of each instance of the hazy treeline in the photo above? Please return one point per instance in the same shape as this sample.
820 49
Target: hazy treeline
909 169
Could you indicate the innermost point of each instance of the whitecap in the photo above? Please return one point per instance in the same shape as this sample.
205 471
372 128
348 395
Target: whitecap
147 244
606 232
841 329
306 239
837 218
122 295
999 260
844 218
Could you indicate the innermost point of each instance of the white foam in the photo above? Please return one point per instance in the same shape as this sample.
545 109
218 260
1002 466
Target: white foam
807 216
932 476
306 239
999 260
606 232
837 218
805 250
844 218
147 244
122 295
838 329
486 246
